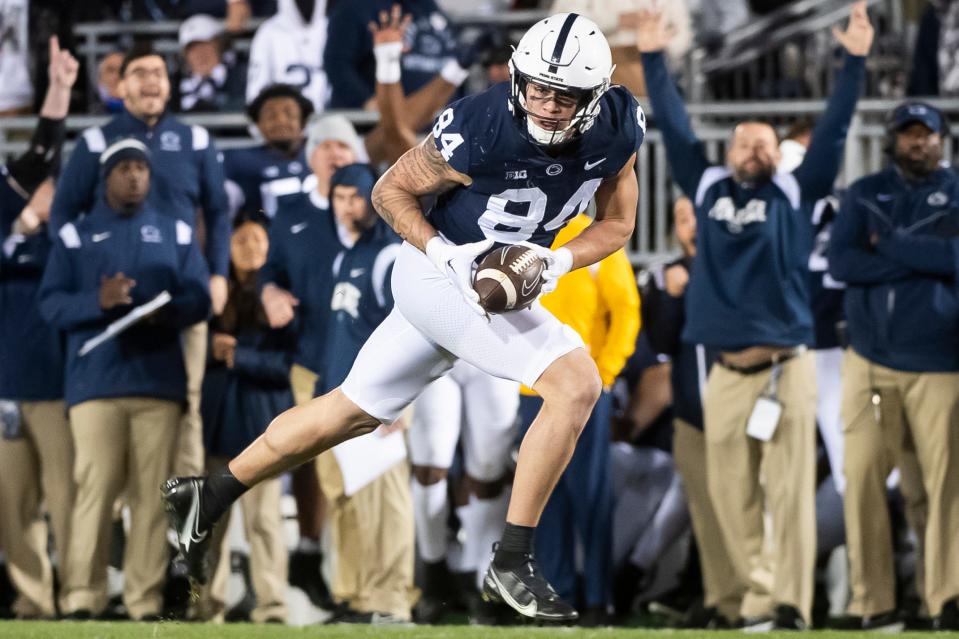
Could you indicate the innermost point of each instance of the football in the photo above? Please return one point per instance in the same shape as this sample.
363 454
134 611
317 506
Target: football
508 278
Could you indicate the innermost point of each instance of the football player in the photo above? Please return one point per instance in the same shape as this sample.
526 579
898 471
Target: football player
512 164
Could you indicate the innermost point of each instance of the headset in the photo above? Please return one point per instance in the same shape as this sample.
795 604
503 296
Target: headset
889 141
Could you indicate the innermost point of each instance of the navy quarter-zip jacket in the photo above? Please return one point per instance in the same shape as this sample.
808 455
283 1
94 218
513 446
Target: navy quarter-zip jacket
158 252
901 302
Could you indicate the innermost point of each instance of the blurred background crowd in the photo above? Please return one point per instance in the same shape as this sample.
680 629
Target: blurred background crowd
222 153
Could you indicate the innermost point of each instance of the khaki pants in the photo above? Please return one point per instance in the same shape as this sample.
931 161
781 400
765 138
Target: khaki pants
303 383
124 445
37 467
189 452
722 588
747 476
372 539
263 526
928 403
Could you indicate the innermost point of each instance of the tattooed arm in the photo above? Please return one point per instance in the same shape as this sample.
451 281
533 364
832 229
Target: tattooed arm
420 171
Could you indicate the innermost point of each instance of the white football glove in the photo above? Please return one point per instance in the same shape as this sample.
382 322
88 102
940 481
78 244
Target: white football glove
558 264
456 263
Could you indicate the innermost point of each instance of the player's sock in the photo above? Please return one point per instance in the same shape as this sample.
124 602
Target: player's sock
514 545
468 551
483 526
431 510
220 490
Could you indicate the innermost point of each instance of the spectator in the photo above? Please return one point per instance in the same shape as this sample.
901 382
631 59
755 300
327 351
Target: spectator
36 451
258 176
108 81
748 297
247 383
186 175
602 305
651 515
237 12
617 19
126 395
371 525
16 96
209 79
826 297
713 20
428 68
935 60
288 48
296 284
894 245
664 298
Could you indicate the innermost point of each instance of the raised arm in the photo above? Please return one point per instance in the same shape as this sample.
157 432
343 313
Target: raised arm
820 166
683 149
420 171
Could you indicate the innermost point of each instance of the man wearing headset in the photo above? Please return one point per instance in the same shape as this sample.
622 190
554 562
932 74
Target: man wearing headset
895 243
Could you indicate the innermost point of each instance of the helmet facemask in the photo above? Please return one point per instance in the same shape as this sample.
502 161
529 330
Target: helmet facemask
586 108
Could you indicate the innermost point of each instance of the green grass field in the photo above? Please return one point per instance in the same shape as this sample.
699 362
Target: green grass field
95 630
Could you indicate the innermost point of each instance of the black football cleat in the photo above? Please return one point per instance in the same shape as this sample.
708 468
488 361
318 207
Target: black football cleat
525 590
181 498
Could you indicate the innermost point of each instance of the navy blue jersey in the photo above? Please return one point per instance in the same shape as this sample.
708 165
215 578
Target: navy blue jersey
826 294
258 175
303 244
519 191
361 300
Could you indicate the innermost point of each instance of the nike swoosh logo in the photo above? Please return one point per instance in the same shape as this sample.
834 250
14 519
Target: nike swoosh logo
356 272
529 610
526 290
590 165
884 197
99 237
296 228
190 535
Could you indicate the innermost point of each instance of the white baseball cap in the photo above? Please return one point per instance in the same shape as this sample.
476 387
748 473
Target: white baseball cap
199 28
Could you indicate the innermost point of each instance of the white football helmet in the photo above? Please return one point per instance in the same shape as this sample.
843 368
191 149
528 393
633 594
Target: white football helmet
568 53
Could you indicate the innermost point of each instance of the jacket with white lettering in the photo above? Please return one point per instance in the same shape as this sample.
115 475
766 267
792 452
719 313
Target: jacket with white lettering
159 253
901 298
303 244
186 174
749 284
31 351
258 176
362 298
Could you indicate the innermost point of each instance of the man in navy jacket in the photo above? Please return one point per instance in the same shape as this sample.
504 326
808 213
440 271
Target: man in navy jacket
187 175
748 297
126 396
36 450
895 243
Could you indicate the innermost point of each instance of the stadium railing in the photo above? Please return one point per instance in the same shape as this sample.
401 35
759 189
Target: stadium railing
652 239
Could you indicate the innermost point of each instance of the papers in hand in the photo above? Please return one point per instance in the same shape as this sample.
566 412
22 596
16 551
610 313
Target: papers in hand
125 322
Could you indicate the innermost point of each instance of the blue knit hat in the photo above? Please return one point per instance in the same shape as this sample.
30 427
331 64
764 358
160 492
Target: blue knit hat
124 149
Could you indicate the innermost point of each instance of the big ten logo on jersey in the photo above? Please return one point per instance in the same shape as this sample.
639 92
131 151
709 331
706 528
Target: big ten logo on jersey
346 297
724 210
